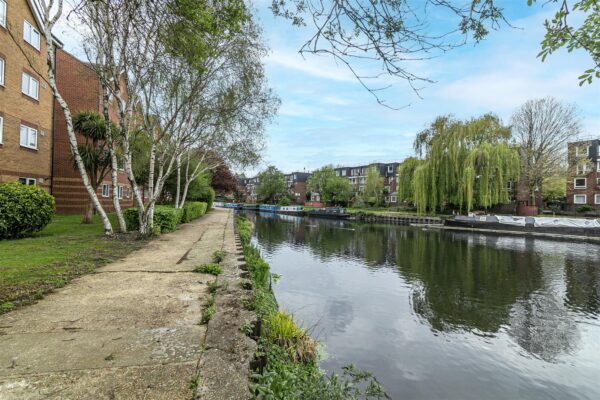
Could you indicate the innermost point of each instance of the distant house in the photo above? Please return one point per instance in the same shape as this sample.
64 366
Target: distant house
358 178
296 186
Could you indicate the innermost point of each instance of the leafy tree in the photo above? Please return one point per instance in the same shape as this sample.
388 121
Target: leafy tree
373 193
93 152
271 184
560 33
223 180
406 172
333 189
555 187
465 164
541 129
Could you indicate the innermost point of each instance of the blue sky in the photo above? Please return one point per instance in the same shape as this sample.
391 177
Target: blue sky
326 117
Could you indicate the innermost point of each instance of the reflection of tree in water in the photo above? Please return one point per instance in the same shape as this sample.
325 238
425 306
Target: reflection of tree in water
542 326
583 285
464 286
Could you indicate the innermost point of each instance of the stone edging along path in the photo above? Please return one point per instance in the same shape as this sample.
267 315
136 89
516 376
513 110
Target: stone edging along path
131 330
224 368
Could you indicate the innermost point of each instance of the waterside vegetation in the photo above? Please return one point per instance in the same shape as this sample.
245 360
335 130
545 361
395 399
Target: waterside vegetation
287 355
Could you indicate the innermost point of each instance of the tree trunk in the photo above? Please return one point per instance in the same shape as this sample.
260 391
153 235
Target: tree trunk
114 165
89 213
177 191
70 131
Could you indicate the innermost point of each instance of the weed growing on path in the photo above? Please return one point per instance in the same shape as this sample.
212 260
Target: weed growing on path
211 268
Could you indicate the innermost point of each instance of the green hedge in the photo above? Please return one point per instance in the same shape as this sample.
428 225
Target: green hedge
166 218
193 210
24 210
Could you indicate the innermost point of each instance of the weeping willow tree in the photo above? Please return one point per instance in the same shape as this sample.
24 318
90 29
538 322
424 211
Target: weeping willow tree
465 164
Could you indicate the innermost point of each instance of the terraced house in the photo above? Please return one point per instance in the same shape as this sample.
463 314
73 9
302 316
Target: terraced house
358 178
583 185
26 102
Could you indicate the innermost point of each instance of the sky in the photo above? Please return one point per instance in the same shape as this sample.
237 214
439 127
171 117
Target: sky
327 117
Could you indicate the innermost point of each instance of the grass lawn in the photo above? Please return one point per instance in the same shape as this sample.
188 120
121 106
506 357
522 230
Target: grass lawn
65 249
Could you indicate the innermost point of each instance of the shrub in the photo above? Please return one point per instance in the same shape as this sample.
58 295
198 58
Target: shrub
219 256
282 330
24 210
206 195
193 210
166 219
585 208
210 268
284 201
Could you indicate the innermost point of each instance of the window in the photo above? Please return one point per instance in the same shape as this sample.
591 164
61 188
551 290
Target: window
390 168
28 181
28 137
598 181
1 67
30 86
105 190
343 172
597 199
580 183
31 35
598 166
120 192
393 199
580 199
3 13
1 127
582 169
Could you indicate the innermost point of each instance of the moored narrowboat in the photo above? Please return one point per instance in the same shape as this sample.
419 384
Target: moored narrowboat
291 210
268 208
329 212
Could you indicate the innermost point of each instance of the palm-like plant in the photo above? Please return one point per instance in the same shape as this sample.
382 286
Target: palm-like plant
94 152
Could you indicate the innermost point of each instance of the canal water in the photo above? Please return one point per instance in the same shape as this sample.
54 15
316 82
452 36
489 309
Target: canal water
439 314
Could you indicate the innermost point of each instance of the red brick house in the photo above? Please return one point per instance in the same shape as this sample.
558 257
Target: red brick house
79 85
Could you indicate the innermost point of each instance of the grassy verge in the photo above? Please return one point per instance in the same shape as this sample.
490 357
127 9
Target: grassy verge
65 249
289 369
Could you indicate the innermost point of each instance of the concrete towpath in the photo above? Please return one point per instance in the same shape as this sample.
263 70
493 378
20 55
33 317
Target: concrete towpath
129 331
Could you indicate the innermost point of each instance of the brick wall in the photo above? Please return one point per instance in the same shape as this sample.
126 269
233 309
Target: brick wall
80 87
18 109
584 152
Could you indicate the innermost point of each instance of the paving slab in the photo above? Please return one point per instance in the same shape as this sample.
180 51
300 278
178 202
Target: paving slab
129 331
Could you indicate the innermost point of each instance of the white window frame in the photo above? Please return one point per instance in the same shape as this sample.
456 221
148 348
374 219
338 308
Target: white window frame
30 33
2 68
580 187
597 199
393 199
105 190
390 168
579 195
28 181
3 8
1 127
597 181
27 143
343 172
27 80
598 166
119 192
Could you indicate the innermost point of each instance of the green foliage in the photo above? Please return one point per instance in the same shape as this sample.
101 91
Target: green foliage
333 189
24 210
209 310
586 36
271 184
406 172
203 193
192 210
283 331
219 256
210 268
165 217
373 192
585 208
466 164
244 229
284 201
554 188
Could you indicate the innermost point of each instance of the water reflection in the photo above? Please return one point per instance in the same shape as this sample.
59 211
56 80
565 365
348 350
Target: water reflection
478 314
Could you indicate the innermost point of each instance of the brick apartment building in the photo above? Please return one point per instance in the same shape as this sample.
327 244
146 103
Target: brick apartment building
248 187
296 186
583 184
79 85
26 101
358 178
33 138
